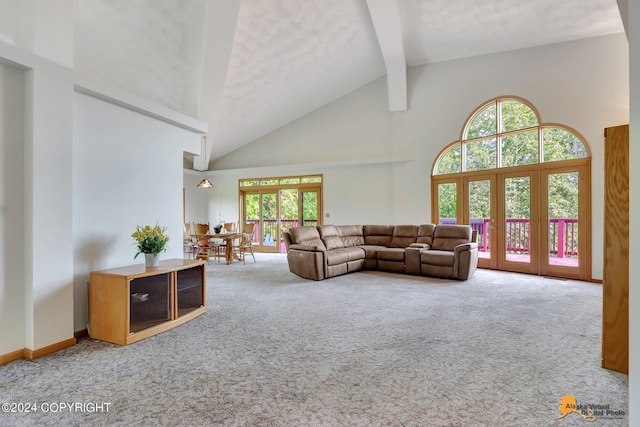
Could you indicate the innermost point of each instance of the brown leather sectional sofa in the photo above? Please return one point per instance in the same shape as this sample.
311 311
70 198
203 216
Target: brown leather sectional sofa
318 253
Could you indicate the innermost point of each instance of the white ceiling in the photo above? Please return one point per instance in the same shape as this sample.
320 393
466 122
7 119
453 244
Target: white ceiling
260 64
290 57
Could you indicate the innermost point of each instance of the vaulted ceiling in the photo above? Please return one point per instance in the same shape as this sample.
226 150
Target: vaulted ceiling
248 67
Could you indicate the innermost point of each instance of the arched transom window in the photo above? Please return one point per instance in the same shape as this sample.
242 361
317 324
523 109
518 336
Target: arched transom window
506 132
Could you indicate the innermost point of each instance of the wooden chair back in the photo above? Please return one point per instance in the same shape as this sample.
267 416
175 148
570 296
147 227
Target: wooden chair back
199 228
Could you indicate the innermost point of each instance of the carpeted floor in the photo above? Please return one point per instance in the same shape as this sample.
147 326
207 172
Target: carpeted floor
365 349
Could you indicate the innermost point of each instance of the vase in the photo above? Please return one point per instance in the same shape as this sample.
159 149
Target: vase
151 260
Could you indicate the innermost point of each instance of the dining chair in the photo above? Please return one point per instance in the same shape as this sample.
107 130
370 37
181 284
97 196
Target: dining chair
188 241
246 242
205 249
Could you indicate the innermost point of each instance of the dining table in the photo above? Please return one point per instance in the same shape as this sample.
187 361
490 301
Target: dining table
228 238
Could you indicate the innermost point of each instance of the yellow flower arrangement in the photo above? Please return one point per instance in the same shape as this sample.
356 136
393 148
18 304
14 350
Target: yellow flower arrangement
150 240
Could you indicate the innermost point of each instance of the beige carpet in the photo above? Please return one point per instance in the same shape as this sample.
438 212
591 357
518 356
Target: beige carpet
366 349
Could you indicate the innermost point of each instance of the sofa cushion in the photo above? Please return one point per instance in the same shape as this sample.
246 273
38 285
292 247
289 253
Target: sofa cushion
329 235
351 235
344 255
307 236
403 236
425 233
447 237
436 257
371 251
391 254
379 235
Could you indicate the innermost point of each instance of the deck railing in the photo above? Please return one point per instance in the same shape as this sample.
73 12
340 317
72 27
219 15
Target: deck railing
563 233
267 236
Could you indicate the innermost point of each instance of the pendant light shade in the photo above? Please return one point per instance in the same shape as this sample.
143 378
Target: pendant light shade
205 183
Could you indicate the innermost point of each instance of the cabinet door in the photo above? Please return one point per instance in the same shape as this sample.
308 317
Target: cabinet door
149 301
190 290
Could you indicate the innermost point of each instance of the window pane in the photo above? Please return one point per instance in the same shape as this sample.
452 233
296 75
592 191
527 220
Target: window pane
563 218
290 181
517 212
483 124
451 161
516 115
250 183
559 144
311 179
481 155
520 149
447 203
480 214
269 182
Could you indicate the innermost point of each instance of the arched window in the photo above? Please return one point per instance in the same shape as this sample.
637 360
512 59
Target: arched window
523 185
507 132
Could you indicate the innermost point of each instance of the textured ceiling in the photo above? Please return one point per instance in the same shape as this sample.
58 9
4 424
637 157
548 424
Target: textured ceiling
248 67
290 57
438 30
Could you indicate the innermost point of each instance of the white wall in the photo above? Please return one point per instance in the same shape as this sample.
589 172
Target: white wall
12 248
582 84
196 199
127 171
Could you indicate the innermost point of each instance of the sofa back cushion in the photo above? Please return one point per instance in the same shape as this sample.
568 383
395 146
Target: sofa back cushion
403 236
447 237
380 235
305 236
330 237
425 233
351 235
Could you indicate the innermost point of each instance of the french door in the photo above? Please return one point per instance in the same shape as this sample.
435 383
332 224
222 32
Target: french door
274 211
532 220
479 210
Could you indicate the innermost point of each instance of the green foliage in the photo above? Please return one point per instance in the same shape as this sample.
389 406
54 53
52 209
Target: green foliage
483 123
516 115
451 161
150 240
447 196
563 195
518 148
560 144
481 155
517 197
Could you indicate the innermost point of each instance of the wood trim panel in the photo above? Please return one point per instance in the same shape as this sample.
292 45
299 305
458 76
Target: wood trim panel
27 353
615 308
10 357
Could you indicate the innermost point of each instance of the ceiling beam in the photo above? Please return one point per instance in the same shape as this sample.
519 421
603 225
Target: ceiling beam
385 16
220 30
623 7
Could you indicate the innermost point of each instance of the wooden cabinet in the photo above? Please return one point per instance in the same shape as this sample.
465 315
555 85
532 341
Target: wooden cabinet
131 303
615 298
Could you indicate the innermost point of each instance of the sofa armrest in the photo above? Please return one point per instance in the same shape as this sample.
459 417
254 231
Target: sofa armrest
412 259
307 263
307 248
472 246
420 245
465 260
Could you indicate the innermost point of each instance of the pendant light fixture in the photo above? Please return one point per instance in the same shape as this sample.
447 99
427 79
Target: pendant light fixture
205 183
